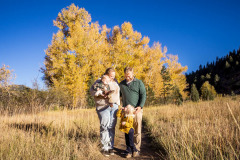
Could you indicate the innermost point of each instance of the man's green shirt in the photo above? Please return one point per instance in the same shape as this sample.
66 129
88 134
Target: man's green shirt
133 93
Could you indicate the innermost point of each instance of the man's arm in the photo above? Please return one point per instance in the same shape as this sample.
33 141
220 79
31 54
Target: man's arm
142 95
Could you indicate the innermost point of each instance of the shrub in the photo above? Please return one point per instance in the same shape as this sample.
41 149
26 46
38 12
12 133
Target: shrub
208 91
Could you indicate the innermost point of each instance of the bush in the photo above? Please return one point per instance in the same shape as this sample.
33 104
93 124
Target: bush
208 91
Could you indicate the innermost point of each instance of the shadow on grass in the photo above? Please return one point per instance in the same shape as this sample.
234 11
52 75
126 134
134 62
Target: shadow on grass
33 127
150 141
47 129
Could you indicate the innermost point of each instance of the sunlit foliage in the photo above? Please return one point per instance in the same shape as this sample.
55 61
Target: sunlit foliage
82 50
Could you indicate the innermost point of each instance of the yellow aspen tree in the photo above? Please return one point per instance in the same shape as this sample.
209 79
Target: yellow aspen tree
176 71
154 62
6 76
127 49
81 50
77 49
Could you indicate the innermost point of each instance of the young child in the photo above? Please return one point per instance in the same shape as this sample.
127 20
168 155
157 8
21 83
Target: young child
102 87
105 89
126 126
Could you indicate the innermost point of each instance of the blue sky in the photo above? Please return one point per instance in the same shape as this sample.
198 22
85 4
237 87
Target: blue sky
196 30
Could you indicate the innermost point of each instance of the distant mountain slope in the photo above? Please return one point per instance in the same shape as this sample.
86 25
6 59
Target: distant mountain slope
223 74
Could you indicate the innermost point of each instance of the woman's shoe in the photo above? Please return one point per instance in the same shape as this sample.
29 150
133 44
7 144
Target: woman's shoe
105 153
111 151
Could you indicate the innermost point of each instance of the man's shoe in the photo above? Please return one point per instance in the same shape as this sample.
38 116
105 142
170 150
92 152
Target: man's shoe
136 154
105 153
111 151
128 155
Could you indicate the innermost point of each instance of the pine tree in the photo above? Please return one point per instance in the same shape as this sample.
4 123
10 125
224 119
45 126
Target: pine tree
150 96
230 59
194 93
225 74
177 96
90 99
216 79
208 76
227 65
167 86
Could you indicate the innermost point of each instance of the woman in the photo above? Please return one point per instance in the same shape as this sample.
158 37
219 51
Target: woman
107 112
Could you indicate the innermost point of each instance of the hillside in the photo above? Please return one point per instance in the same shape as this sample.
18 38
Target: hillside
223 74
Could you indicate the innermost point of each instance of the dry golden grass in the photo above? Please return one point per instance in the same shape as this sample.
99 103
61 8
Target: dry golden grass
50 135
203 130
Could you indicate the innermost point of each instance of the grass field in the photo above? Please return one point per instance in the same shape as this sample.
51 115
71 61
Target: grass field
50 135
203 130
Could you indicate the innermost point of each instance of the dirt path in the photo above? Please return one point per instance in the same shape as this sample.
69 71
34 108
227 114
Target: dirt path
148 151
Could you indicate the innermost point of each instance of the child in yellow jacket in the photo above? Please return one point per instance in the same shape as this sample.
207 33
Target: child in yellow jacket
126 126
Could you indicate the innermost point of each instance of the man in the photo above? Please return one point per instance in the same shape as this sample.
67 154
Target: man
134 93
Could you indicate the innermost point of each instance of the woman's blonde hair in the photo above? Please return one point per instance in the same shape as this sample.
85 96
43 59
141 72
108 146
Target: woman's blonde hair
109 70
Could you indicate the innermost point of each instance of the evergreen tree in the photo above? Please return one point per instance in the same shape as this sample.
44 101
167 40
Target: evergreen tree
227 65
225 74
90 99
167 86
151 97
194 93
208 76
177 96
216 79
230 59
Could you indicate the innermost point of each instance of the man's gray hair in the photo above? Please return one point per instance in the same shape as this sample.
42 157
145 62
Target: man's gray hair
127 69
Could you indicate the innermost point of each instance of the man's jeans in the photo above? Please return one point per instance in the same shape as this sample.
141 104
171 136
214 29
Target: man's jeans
108 120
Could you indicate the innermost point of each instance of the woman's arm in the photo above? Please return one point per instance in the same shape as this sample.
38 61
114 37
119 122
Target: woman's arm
115 93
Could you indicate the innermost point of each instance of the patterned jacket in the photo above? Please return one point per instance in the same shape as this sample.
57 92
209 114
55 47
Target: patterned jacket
125 118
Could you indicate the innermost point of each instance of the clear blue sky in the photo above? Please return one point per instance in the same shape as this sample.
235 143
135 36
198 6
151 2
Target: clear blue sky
196 30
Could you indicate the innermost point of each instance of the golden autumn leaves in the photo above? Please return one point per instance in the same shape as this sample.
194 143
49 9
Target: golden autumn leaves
6 76
82 49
